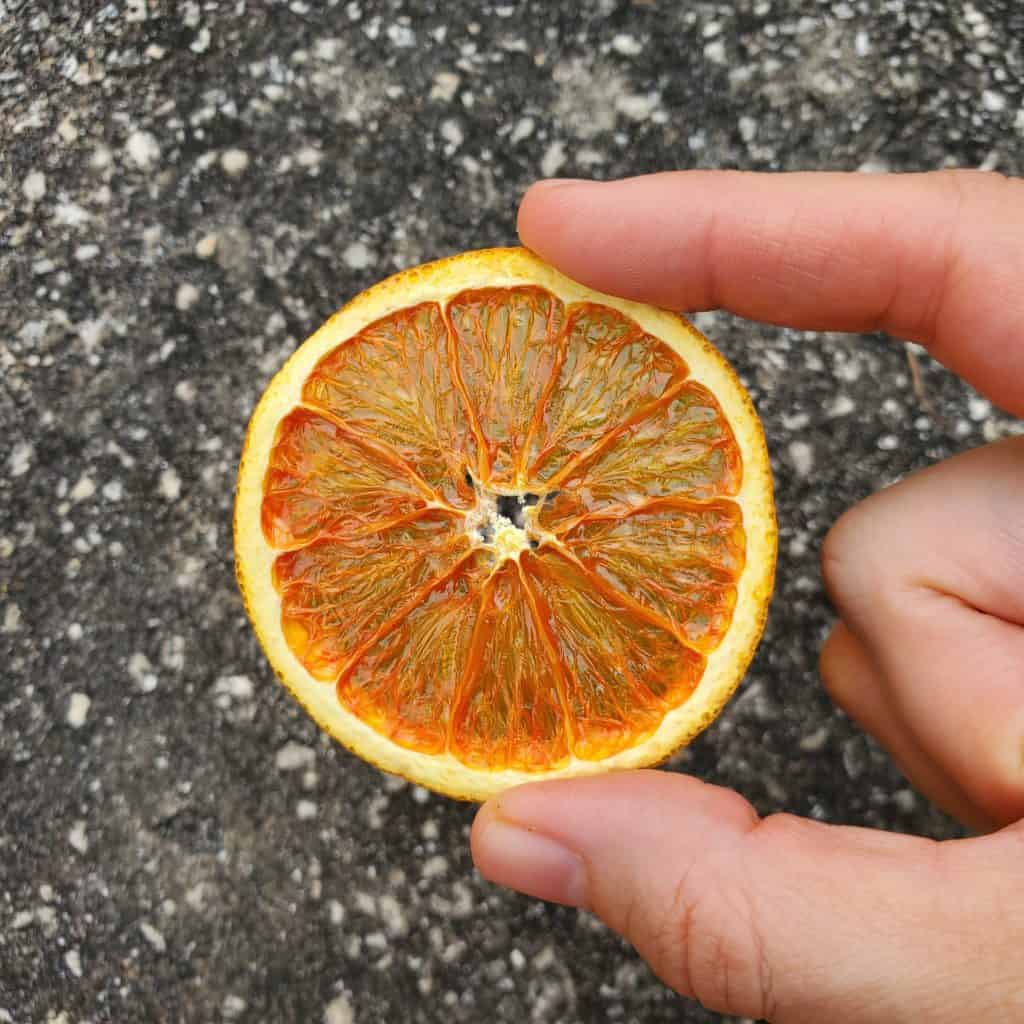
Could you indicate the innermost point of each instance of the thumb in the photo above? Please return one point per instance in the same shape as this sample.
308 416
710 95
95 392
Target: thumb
779 918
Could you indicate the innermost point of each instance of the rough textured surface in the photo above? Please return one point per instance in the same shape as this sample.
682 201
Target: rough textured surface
187 190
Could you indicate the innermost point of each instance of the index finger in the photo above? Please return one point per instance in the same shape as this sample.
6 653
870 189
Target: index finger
937 258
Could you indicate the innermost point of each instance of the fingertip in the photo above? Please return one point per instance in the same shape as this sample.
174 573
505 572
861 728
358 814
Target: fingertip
606 234
527 212
593 815
523 858
543 208
486 815
546 184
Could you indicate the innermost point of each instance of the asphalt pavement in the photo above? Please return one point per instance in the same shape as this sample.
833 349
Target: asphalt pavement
187 189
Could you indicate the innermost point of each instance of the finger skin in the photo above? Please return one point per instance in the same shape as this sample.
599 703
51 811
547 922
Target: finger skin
937 258
857 685
928 574
792 920
778 918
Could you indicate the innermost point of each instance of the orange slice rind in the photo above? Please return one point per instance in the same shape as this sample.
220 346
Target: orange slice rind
493 526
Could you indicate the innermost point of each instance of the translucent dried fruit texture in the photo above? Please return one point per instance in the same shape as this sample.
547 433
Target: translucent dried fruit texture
621 669
324 480
394 383
505 348
608 370
337 592
509 712
678 558
507 528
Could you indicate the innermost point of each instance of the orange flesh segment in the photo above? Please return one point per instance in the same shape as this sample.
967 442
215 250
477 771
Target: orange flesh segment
621 672
322 481
508 713
404 684
610 370
392 383
394 585
506 348
679 559
683 447
336 592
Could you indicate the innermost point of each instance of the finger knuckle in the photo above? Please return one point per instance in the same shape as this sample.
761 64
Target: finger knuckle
712 943
841 553
863 557
832 667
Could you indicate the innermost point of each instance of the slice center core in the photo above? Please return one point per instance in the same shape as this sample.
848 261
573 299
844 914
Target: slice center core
504 522
508 541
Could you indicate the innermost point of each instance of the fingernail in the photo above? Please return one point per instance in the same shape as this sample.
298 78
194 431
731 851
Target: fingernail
520 858
553 183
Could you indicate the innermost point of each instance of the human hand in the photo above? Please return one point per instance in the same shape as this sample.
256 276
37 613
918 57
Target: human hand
784 918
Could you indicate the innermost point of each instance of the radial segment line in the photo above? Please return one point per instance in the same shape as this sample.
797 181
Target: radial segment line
366 531
403 613
618 513
516 707
472 667
506 343
409 517
627 339
561 669
384 451
609 590
483 457
551 650
542 403
605 440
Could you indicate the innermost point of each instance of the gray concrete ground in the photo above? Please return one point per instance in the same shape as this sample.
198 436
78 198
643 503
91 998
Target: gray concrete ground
186 190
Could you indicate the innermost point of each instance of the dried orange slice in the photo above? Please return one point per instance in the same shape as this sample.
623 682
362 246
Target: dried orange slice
493 526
